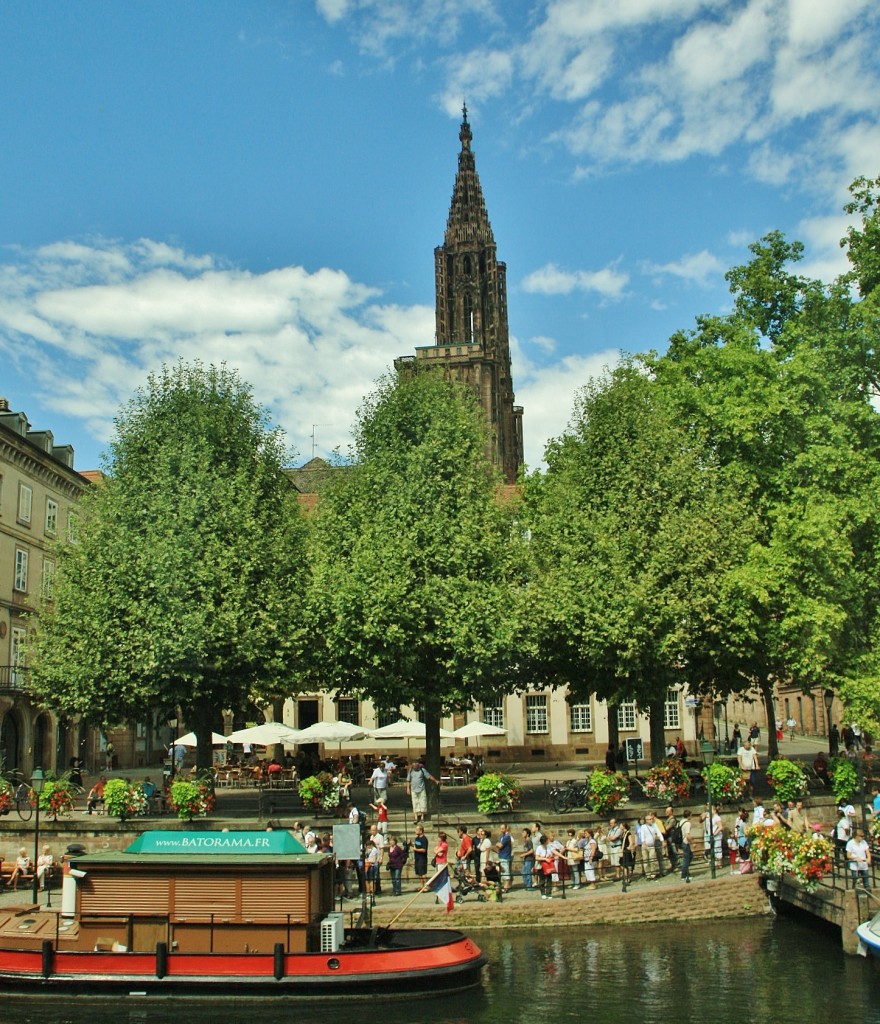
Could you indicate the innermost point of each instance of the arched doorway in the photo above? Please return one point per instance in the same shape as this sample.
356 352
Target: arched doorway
10 742
44 748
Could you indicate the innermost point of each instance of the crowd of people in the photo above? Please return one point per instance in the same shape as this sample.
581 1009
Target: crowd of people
548 861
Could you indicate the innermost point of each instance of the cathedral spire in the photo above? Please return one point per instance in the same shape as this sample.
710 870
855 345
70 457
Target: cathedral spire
468 222
471 341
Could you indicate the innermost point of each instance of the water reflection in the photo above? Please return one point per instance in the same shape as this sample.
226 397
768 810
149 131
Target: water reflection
760 971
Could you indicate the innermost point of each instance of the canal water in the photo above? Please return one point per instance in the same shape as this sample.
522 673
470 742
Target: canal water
755 971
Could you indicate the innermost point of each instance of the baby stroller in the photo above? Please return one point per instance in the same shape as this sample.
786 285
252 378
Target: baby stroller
465 884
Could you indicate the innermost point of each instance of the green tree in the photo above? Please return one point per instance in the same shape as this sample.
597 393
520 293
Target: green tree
415 559
780 390
633 529
180 588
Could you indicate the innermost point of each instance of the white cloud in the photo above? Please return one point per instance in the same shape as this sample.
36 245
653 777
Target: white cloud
476 76
783 89
333 10
699 267
547 394
553 280
310 343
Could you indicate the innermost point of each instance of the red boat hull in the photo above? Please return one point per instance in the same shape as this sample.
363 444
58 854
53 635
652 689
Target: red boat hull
405 962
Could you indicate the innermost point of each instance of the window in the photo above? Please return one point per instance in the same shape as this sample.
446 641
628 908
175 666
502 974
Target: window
25 503
73 527
47 584
626 716
536 713
388 717
18 638
51 515
580 717
671 717
21 570
348 710
493 714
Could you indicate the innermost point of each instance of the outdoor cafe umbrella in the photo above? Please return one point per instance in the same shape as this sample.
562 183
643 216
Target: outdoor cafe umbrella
404 729
266 735
332 732
190 740
473 730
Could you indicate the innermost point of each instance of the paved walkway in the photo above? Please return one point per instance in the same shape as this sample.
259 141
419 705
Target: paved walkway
253 808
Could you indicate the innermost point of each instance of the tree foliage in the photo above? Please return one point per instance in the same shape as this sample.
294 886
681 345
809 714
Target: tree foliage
632 531
181 587
712 513
781 391
414 559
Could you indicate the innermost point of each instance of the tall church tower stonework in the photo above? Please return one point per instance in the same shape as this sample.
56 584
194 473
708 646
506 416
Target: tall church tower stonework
471 340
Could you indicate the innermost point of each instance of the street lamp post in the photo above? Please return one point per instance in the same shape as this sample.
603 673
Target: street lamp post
707 749
828 698
38 780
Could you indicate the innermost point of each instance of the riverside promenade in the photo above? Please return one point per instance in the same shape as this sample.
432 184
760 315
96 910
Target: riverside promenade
646 900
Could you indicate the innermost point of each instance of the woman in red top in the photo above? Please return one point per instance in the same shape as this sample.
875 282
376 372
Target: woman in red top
441 850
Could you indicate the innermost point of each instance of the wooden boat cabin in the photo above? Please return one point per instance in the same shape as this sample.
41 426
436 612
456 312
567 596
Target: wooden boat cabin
198 892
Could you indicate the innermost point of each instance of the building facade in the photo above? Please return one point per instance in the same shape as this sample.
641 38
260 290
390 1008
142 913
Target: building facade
39 492
471 341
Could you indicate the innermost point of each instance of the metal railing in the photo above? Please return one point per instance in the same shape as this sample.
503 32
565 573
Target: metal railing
13 677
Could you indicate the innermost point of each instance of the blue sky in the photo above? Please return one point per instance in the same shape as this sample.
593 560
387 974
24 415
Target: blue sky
264 183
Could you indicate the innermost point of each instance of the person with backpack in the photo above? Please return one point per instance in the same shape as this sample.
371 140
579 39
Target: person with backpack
672 828
417 789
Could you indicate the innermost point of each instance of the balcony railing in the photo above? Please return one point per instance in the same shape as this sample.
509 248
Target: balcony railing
12 677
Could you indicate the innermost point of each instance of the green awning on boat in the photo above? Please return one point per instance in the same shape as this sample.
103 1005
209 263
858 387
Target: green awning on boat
245 843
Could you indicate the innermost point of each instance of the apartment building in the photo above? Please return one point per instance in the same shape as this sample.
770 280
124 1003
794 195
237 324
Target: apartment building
39 492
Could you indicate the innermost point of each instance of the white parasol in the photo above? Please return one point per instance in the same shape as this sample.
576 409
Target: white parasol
190 740
332 732
266 735
404 729
472 730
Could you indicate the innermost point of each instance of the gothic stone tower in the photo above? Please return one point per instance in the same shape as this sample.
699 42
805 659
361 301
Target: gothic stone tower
471 338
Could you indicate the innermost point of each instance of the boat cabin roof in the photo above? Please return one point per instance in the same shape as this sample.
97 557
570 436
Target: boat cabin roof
219 849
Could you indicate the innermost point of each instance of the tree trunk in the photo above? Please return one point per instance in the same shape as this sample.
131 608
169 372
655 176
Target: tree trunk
432 754
202 715
613 728
657 732
766 688
276 751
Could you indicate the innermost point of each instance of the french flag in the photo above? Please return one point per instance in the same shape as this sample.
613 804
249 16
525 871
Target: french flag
440 885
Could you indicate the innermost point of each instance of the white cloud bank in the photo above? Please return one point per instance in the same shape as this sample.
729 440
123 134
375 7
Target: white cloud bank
608 282
87 323
90 322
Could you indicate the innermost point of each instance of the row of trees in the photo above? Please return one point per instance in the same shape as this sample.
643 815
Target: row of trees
709 518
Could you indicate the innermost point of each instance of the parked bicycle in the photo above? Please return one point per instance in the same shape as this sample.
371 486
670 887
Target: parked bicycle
566 795
24 801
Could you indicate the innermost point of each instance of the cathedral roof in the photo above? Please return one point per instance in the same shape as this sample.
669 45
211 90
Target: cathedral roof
468 224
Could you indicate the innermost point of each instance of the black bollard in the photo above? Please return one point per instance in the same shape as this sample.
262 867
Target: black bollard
48 952
161 959
279 961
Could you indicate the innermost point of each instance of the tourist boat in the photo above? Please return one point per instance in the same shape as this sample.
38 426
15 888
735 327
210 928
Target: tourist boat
869 935
221 913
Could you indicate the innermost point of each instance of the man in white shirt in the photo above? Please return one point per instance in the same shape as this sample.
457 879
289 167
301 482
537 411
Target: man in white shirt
379 783
747 757
858 856
652 845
